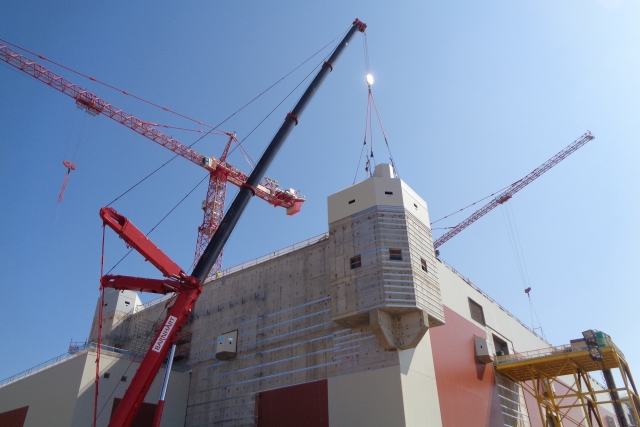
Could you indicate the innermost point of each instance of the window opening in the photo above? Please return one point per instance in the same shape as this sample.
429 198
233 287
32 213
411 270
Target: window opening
395 254
388 192
423 265
477 313
106 375
500 346
355 261
123 379
352 201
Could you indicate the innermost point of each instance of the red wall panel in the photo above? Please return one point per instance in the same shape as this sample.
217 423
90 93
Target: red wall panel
295 406
466 389
14 417
144 417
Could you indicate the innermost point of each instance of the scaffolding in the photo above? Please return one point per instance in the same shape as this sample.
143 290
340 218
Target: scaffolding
541 372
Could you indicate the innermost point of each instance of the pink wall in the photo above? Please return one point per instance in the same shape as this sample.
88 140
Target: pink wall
467 390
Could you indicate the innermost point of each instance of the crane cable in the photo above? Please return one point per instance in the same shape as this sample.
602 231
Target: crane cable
368 128
161 220
133 359
99 343
518 254
239 144
164 108
468 206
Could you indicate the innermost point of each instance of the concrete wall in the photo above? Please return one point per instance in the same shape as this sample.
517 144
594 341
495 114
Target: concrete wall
62 395
371 398
51 394
376 332
282 311
113 387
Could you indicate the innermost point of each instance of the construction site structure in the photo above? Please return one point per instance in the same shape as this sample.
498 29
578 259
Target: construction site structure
360 326
560 380
220 171
511 190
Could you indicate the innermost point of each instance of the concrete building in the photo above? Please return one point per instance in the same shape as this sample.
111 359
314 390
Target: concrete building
362 326
61 393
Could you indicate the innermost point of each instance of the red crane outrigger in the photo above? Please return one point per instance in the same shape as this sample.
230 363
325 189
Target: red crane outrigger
188 288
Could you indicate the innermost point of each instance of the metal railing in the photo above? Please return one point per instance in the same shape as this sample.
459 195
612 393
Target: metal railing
468 282
59 359
153 302
547 351
273 255
244 265
533 354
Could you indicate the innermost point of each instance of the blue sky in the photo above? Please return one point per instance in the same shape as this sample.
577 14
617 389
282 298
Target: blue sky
473 96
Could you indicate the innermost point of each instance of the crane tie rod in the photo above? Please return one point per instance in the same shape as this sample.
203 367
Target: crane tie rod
515 187
167 109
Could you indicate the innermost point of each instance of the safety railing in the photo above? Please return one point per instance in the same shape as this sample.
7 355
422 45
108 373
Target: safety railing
273 255
154 302
246 264
468 282
533 354
63 357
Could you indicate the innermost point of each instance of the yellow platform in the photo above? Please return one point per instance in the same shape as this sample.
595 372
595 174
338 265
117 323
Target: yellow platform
554 362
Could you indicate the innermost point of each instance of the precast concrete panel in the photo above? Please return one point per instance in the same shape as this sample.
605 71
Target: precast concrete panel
371 398
382 267
50 394
419 388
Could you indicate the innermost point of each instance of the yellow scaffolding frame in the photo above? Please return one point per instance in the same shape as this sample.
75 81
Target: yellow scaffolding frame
537 371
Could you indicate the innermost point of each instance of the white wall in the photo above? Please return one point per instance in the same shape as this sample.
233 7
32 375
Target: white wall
63 394
50 394
370 398
175 401
419 388
455 295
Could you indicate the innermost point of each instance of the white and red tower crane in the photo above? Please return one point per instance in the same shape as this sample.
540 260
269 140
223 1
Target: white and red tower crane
514 188
220 171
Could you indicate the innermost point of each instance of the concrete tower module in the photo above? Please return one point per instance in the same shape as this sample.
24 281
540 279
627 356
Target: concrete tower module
383 271
118 306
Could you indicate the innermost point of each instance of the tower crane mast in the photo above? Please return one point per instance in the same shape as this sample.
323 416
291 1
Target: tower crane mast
220 172
514 188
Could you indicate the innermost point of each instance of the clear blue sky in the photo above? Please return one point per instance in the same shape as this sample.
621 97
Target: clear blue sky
473 96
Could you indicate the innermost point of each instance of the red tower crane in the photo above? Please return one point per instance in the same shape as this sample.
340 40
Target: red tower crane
220 172
514 188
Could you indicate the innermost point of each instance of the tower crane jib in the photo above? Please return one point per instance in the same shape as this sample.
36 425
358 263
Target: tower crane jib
220 171
514 188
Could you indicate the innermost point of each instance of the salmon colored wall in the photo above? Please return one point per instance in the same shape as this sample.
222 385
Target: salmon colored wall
467 390
295 406
575 415
532 406
14 418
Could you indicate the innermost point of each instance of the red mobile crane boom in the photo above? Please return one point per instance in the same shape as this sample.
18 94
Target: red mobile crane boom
514 188
220 171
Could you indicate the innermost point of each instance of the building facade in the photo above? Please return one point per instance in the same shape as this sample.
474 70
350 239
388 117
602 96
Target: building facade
363 326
